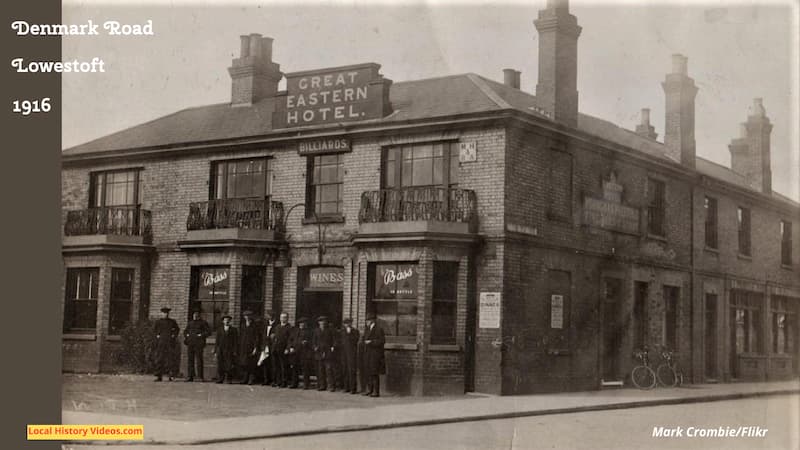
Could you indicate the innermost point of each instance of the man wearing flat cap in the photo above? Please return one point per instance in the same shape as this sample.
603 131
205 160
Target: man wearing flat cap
249 344
348 342
301 347
166 331
194 337
374 364
226 349
324 343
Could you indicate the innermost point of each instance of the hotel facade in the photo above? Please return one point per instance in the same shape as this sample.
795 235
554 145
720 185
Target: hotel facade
506 242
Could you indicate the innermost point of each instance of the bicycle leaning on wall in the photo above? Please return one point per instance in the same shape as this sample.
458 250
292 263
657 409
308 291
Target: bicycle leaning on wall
668 372
642 375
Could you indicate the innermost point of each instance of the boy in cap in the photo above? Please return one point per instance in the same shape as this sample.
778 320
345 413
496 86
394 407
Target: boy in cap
226 349
166 331
324 343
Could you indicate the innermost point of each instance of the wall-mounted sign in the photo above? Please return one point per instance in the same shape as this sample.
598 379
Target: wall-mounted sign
333 95
328 145
556 311
396 281
489 310
213 283
467 151
325 278
609 213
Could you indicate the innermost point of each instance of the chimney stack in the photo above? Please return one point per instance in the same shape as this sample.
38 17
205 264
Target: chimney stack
511 78
557 88
680 92
750 153
253 74
645 129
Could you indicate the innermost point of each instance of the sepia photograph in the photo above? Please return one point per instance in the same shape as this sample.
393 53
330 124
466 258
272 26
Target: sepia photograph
428 224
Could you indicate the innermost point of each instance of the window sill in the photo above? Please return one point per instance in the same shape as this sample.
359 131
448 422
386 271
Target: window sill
786 266
715 251
656 237
744 257
399 346
79 337
114 337
322 219
444 348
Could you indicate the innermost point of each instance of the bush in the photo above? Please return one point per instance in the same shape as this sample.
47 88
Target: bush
137 341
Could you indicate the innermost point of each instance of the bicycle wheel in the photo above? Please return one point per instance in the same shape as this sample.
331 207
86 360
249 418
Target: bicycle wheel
666 375
643 377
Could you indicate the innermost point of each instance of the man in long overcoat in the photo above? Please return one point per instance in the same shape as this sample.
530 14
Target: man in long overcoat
166 333
303 352
348 343
374 363
280 344
249 346
324 343
268 366
226 349
194 337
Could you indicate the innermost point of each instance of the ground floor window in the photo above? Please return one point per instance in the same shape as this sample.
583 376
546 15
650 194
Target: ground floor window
253 290
80 303
209 293
121 300
445 296
393 290
746 321
784 326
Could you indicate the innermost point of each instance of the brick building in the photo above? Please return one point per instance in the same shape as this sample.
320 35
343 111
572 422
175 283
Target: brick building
506 242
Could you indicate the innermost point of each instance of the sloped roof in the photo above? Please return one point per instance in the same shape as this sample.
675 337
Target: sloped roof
411 100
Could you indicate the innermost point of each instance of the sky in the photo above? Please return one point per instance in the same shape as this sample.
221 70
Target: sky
737 52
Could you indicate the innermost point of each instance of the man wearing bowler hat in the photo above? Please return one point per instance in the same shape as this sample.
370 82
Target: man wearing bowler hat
166 331
324 343
194 337
348 342
268 365
226 350
374 364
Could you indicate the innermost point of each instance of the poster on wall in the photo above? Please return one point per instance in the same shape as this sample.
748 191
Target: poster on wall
556 311
489 310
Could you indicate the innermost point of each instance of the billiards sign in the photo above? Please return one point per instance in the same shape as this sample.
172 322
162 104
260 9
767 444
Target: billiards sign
334 95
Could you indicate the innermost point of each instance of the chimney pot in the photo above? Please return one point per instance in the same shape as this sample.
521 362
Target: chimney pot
253 75
757 110
511 78
645 116
679 64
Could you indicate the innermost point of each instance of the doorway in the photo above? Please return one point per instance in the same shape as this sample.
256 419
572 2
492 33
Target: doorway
711 336
612 330
320 294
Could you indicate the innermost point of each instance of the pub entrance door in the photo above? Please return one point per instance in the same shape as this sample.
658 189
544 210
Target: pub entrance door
612 331
320 294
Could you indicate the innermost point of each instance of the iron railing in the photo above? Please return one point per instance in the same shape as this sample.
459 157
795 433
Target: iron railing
117 220
418 203
257 214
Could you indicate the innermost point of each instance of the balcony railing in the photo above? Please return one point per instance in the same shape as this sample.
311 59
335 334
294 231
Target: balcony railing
256 214
418 203
116 220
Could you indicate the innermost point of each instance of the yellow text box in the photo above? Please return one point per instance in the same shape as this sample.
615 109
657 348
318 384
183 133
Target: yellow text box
85 432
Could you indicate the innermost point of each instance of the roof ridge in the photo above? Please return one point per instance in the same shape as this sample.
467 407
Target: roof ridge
478 81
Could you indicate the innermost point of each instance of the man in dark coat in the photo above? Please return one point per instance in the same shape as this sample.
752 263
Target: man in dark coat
324 343
249 345
280 344
374 364
348 343
194 337
301 348
166 331
268 366
226 349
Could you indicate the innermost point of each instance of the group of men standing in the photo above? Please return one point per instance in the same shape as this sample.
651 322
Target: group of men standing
281 354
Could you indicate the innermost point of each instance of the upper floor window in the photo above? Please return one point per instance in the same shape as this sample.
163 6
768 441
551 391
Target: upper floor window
656 205
743 218
421 165
326 184
115 188
243 178
80 302
786 242
711 222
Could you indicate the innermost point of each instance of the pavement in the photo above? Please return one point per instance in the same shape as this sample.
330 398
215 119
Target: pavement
297 413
